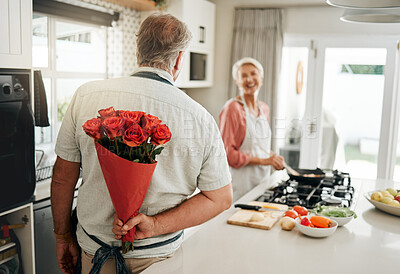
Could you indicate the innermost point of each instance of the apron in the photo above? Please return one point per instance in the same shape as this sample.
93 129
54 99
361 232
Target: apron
257 142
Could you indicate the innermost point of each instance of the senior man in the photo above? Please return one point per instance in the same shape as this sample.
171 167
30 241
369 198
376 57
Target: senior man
194 158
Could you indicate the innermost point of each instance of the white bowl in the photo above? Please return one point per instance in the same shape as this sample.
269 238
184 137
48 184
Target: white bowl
394 210
341 221
315 231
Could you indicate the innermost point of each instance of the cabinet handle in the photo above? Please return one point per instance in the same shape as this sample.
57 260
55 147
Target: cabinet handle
202 34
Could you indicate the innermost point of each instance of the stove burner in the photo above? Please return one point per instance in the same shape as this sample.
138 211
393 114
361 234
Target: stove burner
340 193
293 199
335 189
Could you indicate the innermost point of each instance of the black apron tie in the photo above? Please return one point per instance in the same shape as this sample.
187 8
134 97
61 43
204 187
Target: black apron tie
103 253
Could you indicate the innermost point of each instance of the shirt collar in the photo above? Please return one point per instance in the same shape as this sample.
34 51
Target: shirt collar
159 72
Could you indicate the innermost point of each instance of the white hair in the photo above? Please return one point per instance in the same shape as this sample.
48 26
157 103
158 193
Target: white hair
243 61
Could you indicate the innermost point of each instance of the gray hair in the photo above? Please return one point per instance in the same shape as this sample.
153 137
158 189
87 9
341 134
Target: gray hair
160 39
244 61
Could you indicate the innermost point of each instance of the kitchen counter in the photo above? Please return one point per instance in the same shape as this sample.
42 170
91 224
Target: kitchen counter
368 244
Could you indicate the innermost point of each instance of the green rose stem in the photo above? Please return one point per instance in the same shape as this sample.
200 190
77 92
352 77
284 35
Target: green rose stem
116 145
151 152
130 153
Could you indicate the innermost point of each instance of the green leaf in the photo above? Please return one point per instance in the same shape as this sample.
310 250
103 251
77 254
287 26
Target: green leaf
156 152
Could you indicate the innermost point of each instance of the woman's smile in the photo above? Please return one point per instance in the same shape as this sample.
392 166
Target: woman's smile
249 79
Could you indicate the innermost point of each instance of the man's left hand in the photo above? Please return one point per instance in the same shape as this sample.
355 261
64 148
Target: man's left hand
145 226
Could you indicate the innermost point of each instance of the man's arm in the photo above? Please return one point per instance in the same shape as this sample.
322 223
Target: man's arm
194 211
65 177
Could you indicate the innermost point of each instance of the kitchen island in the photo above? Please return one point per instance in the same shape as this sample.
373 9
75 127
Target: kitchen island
368 244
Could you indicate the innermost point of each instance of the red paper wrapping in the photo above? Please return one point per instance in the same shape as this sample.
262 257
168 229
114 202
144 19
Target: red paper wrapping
127 183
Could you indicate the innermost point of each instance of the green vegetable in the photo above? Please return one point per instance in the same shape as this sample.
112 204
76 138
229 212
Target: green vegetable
334 211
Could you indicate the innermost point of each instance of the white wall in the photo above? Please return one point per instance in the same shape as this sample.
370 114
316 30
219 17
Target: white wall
313 18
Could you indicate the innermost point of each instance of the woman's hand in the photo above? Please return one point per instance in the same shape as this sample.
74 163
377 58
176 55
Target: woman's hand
276 161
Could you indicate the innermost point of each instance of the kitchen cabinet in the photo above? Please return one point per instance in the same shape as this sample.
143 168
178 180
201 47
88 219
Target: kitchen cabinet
199 15
142 5
22 215
16 33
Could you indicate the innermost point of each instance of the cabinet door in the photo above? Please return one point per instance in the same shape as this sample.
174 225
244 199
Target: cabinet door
18 215
207 22
16 33
199 15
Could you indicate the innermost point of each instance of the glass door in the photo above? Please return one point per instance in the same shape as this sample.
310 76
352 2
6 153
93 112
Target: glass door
348 119
353 89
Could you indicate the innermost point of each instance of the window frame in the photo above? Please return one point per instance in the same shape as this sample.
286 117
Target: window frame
51 70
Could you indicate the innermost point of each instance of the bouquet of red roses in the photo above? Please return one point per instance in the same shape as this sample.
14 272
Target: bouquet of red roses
127 143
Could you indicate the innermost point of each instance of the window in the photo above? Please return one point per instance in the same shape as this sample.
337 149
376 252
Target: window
69 54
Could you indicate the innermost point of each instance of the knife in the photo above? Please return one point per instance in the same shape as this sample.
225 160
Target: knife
258 208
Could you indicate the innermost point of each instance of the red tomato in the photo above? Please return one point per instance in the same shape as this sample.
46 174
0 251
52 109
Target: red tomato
301 210
291 213
305 221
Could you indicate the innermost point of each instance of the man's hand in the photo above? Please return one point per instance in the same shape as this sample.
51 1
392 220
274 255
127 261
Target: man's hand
194 211
67 253
145 226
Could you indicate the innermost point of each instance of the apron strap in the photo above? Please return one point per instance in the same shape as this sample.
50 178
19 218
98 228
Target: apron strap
151 76
243 102
105 251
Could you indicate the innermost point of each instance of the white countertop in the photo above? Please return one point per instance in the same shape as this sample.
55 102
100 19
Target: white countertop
42 190
368 244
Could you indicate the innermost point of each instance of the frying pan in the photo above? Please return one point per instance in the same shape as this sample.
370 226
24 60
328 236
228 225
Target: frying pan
309 180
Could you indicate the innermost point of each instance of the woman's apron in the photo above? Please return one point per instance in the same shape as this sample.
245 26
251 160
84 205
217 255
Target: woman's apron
257 142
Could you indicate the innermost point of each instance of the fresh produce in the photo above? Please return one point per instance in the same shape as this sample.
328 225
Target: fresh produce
301 210
377 196
321 222
287 223
291 213
392 191
305 221
334 211
386 200
386 193
394 203
257 217
389 196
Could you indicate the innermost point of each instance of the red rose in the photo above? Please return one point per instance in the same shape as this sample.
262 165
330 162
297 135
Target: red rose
149 123
161 135
107 112
134 136
131 117
92 128
113 126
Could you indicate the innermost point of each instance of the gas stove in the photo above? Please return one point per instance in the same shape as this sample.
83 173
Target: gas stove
335 189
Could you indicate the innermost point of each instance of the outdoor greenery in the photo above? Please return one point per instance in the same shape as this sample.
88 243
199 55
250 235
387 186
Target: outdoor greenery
352 152
62 106
363 69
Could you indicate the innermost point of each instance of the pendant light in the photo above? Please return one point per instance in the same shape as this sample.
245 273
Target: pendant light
371 16
365 4
368 11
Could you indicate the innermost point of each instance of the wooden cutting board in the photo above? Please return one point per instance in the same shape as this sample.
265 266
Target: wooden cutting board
243 216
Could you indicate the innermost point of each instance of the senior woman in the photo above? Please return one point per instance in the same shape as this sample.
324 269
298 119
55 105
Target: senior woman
244 123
